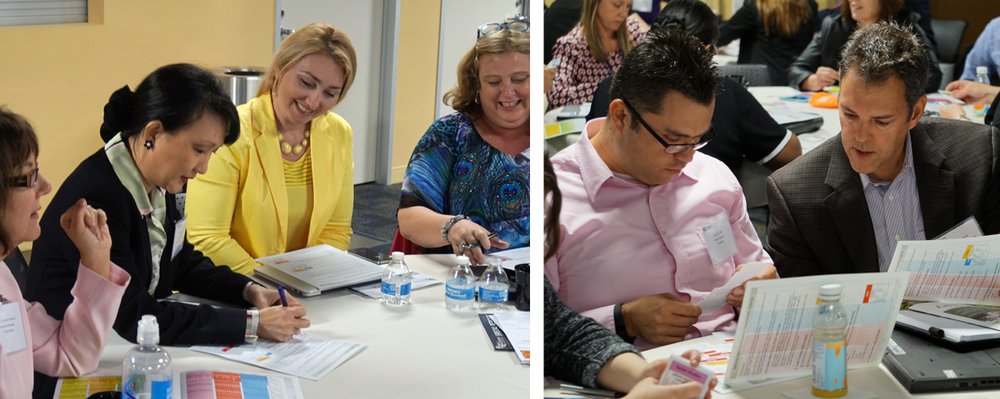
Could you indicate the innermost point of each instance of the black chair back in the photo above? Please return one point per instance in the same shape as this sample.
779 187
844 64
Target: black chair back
948 33
747 74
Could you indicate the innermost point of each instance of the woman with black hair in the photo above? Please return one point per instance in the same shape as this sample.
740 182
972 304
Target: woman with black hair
157 138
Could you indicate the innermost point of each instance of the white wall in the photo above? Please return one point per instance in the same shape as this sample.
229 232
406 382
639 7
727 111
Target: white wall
362 20
459 21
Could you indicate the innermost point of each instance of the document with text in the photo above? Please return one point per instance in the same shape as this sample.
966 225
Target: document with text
774 335
307 356
965 270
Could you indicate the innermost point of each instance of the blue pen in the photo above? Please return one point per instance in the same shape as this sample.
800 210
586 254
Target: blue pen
281 294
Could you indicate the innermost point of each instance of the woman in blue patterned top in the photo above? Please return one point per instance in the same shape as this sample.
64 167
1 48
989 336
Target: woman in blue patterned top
468 175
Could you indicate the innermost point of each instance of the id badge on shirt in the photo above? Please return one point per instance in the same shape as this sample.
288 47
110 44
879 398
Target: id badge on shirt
719 239
179 228
12 338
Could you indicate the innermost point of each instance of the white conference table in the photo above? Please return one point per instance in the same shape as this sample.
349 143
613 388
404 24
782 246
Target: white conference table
420 351
876 380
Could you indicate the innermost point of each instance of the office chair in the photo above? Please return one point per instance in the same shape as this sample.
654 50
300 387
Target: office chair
747 74
949 33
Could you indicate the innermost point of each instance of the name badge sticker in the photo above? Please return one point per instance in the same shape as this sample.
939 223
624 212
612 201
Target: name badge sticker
12 338
719 239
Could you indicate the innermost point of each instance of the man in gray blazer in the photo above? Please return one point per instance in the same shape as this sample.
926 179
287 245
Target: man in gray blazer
888 176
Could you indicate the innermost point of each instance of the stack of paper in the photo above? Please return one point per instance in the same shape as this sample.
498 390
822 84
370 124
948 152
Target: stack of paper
516 327
194 385
306 356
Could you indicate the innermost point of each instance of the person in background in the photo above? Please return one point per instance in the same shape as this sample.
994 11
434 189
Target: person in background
33 339
157 139
742 128
468 175
816 66
772 33
986 52
288 182
593 50
640 203
580 351
921 7
972 93
560 17
889 175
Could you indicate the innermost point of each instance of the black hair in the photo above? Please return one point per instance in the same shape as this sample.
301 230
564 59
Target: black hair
880 50
668 60
177 95
690 15
17 143
553 231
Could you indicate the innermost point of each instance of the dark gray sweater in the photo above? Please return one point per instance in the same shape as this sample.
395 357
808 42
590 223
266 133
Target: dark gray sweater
576 347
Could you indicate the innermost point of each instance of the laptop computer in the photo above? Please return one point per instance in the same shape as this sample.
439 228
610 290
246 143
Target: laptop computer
922 367
310 271
796 121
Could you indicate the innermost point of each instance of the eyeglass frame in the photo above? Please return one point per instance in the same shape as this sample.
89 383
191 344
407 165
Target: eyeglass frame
29 180
505 25
703 140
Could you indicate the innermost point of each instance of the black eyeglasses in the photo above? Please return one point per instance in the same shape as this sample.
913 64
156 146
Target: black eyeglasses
667 147
27 181
494 27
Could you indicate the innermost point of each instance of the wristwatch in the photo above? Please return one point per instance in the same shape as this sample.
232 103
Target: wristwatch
451 222
253 318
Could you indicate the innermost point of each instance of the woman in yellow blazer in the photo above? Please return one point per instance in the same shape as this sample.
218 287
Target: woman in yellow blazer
287 183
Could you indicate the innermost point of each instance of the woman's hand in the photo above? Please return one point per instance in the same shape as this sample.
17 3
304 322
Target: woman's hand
470 239
88 229
972 92
262 297
280 323
822 78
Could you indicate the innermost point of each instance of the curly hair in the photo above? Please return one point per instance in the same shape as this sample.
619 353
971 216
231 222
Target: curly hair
464 97
17 143
315 38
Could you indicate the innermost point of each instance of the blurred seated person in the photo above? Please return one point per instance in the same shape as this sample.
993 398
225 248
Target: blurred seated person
157 138
986 52
468 175
580 351
640 203
816 67
771 32
593 50
890 175
742 128
921 7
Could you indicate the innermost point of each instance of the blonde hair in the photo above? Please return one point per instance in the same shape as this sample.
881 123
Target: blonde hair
464 96
588 25
315 38
783 17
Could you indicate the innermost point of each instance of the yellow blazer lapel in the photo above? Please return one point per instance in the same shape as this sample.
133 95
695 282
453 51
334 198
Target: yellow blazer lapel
266 139
322 168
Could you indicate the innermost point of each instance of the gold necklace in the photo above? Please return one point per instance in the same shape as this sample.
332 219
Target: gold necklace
298 148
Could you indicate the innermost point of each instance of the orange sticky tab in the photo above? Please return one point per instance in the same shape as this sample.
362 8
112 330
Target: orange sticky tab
868 293
967 251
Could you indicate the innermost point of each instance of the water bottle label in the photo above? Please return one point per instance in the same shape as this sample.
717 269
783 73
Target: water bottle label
459 294
829 365
390 289
486 295
160 389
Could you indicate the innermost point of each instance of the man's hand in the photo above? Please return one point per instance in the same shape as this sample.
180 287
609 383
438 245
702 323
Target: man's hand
735 297
660 319
279 323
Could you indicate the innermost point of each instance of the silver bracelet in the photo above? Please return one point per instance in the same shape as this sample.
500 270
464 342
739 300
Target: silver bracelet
451 222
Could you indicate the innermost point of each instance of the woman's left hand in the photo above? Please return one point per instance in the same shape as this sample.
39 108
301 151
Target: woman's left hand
88 229
470 239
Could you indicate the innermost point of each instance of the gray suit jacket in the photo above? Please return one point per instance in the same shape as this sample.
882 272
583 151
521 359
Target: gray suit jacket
820 222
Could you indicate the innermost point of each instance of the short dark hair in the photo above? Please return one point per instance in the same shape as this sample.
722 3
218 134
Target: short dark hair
668 60
878 51
17 143
177 95
693 16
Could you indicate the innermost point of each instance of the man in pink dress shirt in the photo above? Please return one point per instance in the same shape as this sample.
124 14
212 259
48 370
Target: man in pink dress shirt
650 226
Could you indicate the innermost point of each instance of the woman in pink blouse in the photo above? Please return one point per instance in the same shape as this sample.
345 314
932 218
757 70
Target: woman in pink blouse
30 339
593 50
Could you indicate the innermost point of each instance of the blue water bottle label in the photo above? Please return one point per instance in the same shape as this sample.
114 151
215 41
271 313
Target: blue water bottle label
160 389
404 289
459 294
390 288
486 295
829 365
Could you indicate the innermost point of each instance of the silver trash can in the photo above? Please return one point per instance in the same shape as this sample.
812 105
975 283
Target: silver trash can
241 82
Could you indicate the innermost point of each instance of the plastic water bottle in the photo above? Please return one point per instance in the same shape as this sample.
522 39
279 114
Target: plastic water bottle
829 344
983 75
396 281
146 368
460 288
493 286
